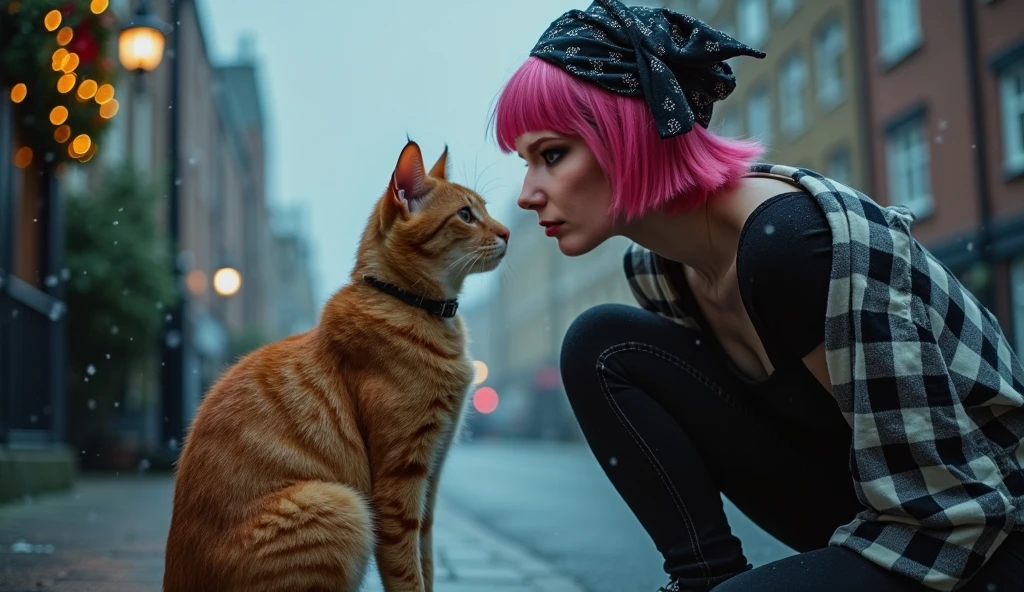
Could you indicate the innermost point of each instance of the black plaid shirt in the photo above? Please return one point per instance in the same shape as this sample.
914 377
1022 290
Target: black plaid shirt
925 377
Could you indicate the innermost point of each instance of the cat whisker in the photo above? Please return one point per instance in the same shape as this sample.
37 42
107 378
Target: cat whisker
477 182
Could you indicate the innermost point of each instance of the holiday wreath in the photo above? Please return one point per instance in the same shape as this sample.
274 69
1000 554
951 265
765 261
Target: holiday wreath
55 56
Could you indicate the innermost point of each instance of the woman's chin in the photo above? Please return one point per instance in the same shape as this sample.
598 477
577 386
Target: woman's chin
572 245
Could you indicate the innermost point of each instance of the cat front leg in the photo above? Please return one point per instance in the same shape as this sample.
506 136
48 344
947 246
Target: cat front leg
399 504
427 535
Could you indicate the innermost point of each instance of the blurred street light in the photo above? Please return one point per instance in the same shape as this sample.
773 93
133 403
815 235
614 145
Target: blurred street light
227 281
140 45
485 400
479 372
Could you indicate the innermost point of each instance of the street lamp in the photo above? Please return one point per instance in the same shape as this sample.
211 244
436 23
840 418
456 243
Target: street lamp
140 49
140 45
227 281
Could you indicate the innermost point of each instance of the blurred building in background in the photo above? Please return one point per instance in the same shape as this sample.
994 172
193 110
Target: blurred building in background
922 108
227 222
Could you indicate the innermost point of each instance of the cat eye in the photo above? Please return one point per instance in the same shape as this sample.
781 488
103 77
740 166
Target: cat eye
466 215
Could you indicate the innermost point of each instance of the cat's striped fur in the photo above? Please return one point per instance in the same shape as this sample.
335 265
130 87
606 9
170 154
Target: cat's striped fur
313 453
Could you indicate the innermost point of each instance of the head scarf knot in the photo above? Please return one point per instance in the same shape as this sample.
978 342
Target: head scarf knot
676 62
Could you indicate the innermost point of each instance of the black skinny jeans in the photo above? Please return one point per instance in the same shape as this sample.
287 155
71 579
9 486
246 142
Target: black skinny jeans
674 428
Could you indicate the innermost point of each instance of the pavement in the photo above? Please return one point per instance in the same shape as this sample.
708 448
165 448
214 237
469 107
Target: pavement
512 517
108 535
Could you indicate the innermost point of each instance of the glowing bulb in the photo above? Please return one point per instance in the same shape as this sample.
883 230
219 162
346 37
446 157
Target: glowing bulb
87 89
66 83
485 400
98 6
52 20
62 133
23 157
479 372
69 63
196 281
58 59
227 281
81 143
109 109
104 93
88 155
59 115
19 92
64 35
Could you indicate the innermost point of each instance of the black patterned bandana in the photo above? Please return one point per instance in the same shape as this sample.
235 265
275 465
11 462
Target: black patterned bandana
675 62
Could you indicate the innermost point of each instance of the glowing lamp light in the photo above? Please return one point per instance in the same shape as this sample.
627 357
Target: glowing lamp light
485 400
227 281
98 6
141 49
479 372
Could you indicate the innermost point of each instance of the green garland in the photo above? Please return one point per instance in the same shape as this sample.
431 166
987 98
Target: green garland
31 62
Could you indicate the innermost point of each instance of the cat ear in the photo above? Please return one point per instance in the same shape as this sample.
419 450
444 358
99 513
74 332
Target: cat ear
408 183
440 168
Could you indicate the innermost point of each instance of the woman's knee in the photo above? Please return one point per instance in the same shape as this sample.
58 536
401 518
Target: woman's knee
592 332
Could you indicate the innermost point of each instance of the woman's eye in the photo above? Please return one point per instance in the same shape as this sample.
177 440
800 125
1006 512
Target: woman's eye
551 156
466 215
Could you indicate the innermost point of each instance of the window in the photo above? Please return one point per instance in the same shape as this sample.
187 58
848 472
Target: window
759 115
752 19
837 167
729 124
899 28
907 157
783 9
792 89
829 45
1011 90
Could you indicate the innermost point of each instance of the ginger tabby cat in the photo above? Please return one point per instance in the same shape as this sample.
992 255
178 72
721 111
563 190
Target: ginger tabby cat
312 453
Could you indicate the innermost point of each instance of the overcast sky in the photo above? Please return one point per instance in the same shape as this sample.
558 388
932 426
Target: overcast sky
345 81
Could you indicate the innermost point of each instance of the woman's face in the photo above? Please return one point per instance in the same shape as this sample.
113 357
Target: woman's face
567 188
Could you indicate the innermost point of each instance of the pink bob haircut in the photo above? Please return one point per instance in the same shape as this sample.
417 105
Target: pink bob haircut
646 173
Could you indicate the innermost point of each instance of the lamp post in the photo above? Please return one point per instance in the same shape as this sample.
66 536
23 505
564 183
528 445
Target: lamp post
141 49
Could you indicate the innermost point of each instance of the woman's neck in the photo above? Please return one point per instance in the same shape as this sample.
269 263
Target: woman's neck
703 239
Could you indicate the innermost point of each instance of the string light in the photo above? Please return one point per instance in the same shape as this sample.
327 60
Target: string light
23 157
81 147
64 35
59 115
52 20
19 92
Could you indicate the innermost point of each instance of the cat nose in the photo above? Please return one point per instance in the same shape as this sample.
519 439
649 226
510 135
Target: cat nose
505 233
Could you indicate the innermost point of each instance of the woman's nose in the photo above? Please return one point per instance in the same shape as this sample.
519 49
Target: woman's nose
530 198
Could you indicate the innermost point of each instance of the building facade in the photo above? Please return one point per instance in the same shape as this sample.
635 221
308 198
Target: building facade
922 108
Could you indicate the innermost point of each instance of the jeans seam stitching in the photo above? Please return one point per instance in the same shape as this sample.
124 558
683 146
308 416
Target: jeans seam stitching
659 469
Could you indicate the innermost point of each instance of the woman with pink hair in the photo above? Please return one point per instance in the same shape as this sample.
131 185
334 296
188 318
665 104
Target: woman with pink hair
795 348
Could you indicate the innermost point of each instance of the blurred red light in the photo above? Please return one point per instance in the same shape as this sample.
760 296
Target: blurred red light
485 400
